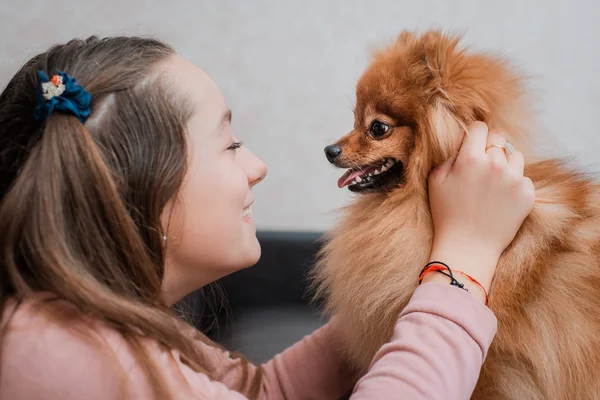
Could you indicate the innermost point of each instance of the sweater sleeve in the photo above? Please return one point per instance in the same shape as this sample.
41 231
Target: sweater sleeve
437 349
439 344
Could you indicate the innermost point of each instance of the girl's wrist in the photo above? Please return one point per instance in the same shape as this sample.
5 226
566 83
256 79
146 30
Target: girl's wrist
473 289
475 260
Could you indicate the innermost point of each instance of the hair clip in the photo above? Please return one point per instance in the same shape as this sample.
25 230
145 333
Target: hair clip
62 93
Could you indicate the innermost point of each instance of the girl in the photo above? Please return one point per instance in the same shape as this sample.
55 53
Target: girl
122 189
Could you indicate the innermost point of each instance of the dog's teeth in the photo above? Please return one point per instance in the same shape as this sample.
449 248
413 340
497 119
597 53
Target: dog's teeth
369 174
353 182
358 179
384 168
377 172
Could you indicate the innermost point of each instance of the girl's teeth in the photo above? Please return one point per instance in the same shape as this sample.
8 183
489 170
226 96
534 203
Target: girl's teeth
247 212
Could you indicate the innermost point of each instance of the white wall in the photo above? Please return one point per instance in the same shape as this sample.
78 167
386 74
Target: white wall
288 69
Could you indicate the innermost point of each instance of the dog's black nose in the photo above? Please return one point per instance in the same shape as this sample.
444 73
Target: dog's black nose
332 152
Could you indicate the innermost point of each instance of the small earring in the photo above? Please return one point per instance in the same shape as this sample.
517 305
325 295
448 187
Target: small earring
164 238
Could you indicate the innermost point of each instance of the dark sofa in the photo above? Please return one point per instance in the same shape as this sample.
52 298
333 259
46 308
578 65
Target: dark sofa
262 310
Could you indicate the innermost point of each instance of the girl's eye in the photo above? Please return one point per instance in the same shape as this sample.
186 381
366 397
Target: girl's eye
235 145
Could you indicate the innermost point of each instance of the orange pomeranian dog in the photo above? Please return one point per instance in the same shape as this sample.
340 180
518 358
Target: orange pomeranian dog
413 104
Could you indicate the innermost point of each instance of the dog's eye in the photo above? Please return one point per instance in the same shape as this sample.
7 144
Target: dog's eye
378 129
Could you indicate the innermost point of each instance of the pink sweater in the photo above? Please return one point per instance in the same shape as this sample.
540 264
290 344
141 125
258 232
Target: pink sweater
436 352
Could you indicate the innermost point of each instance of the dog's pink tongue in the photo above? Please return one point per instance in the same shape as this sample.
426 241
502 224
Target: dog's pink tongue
348 177
351 174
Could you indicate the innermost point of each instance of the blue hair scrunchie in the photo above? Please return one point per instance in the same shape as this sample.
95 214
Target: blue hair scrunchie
61 93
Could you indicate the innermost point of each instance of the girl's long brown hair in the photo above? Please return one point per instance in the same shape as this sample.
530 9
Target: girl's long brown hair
81 204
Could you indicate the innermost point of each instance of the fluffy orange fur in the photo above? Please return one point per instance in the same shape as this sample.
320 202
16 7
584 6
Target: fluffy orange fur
546 293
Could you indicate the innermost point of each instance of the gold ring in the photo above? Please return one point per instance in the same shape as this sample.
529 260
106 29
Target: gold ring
507 147
495 145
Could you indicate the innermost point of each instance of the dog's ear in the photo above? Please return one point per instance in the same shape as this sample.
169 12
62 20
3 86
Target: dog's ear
450 68
467 87
441 54
444 132
440 139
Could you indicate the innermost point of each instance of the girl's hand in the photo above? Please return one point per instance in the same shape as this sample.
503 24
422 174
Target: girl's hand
478 203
